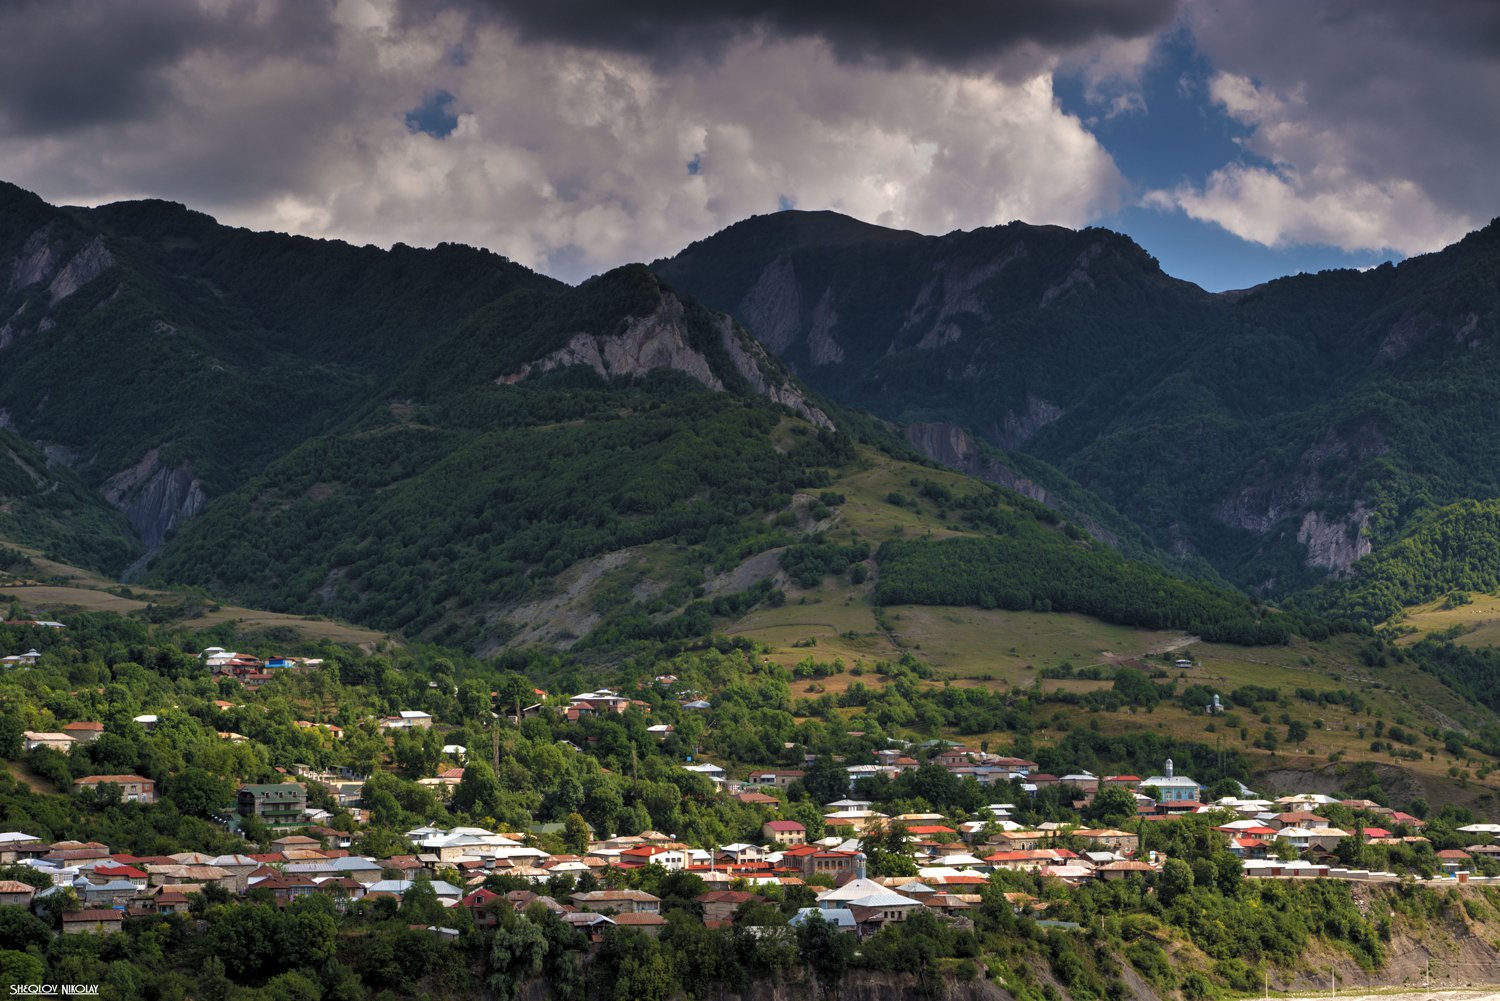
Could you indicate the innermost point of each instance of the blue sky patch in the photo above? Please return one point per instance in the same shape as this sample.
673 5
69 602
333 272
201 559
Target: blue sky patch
434 116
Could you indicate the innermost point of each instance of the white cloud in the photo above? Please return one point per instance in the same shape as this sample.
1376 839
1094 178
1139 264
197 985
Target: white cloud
1369 122
574 160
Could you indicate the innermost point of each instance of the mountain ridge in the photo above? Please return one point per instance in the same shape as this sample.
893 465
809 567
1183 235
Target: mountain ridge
1291 427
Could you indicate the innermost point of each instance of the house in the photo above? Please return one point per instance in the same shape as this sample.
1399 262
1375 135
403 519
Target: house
14 893
831 863
286 889
27 659
840 917
62 743
784 832
776 778
757 799
713 771
84 731
1173 788
133 788
147 721
16 845
593 926
720 905
1109 839
408 719
619 901
858 820
649 924
1123 870
93 921
742 854
670 859
279 805
446 780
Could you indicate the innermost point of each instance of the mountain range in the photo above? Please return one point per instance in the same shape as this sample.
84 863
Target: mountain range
445 443
1280 433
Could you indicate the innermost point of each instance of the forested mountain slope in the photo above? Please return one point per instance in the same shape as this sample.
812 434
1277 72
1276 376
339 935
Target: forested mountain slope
1280 432
165 357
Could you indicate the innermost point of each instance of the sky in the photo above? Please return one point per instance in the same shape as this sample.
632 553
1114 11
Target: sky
1236 140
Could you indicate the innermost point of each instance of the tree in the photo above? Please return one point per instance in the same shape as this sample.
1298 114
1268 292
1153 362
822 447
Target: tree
1176 879
576 833
420 904
516 955
1111 806
478 793
826 781
20 929
18 968
197 793
645 978
827 950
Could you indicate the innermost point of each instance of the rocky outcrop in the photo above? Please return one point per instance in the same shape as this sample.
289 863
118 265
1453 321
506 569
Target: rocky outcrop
657 340
951 291
1417 328
155 498
660 340
1019 427
1331 543
39 259
1335 543
773 306
954 447
752 363
1079 275
820 343
86 265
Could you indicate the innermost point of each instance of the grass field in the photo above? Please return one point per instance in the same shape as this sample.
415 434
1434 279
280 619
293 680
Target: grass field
1479 620
58 589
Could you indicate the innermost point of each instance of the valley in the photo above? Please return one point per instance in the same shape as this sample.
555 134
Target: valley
559 615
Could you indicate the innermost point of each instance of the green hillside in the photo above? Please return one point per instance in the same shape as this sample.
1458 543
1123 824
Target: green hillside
1445 554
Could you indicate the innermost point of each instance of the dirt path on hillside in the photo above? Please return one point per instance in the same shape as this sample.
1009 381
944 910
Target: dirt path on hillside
34 782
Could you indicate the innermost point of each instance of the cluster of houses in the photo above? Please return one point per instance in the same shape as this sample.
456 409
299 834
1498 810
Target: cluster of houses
604 702
954 862
249 670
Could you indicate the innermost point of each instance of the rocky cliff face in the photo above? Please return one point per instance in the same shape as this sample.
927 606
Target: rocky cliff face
1332 544
86 265
44 258
956 448
40 257
1335 543
155 498
773 306
660 340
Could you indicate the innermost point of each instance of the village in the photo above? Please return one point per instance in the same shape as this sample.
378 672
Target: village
98 889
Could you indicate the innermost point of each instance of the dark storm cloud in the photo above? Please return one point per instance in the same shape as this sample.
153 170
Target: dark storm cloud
70 64
952 33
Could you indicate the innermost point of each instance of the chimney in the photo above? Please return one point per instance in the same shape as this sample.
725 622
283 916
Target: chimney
1169 768
859 865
